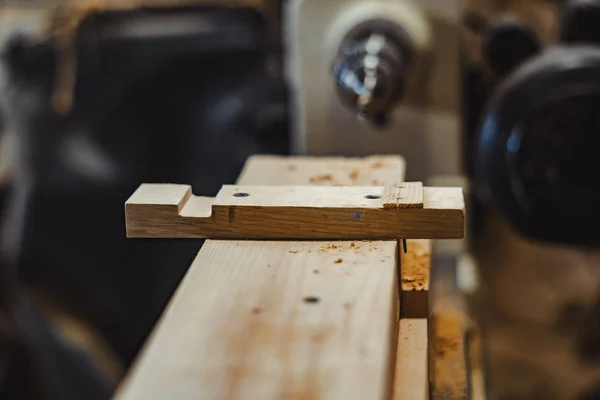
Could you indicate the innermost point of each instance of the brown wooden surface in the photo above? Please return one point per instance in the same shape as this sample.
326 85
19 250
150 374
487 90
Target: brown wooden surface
295 212
404 195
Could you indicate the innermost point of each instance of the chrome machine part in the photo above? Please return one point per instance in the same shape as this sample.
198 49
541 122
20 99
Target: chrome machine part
376 77
370 70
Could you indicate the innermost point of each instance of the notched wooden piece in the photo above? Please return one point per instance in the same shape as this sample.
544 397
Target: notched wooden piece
292 212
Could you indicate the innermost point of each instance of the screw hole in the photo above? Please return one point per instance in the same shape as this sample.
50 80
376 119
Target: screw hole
372 197
311 299
241 194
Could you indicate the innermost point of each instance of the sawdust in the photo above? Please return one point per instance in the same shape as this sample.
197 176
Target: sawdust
353 175
377 165
321 178
416 264
338 261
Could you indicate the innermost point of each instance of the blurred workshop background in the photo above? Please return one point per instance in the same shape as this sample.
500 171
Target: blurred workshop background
98 96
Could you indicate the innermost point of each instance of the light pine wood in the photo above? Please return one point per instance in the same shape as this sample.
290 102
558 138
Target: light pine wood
293 212
412 373
264 170
323 171
270 320
415 265
403 195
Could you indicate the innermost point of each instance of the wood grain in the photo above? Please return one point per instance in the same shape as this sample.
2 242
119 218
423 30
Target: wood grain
268 320
262 170
412 373
291 212
415 265
323 171
404 195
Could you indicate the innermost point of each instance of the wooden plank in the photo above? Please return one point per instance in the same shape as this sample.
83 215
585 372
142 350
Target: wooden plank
291 212
412 373
267 320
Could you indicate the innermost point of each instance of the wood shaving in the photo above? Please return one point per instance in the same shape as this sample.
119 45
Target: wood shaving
321 178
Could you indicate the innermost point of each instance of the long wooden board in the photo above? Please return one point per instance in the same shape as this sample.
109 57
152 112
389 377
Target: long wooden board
359 367
297 212
270 320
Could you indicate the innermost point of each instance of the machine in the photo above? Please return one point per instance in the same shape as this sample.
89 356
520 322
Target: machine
372 77
159 93
532 273
98 96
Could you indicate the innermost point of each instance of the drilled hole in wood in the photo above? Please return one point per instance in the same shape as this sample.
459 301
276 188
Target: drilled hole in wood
311 299
372 197
241 194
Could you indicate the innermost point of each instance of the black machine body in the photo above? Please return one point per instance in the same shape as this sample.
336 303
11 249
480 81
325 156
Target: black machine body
533 156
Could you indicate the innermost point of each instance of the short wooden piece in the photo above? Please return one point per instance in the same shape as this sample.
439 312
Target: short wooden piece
295 212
